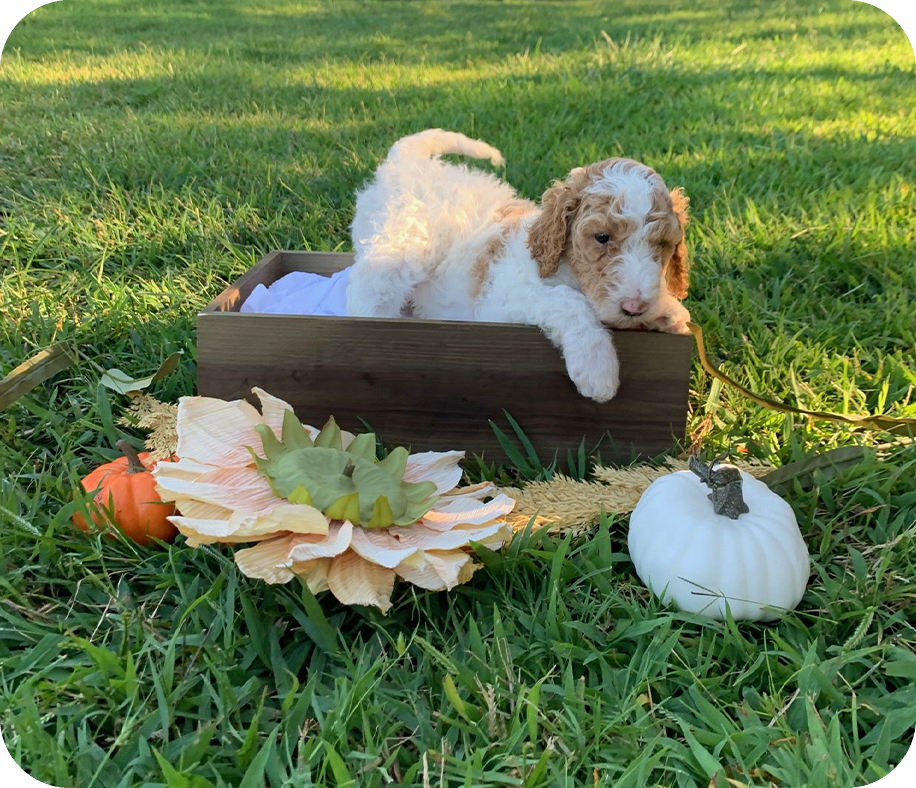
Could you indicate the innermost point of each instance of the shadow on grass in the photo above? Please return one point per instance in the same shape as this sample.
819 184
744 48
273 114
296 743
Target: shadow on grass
419 32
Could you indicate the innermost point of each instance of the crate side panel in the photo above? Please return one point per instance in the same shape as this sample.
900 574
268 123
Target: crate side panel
435 386
324 263
265 271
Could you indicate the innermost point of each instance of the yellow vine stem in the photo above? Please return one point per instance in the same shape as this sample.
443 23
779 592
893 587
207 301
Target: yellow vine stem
893 424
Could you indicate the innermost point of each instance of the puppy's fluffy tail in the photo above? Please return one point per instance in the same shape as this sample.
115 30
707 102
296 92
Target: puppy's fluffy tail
435 142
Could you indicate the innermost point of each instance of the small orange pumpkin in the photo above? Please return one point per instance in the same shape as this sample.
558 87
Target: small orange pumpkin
127 490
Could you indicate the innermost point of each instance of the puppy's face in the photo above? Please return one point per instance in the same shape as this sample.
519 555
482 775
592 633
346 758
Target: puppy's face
621 232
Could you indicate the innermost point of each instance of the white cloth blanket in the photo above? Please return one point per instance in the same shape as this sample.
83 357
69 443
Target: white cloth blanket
301 293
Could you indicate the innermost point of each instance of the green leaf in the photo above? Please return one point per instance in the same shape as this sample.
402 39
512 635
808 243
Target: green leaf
35 371
829 463
330 437
534 778
417 492
316 625
106 416
338 767
121 382
491 559
578 464
905 669
363 446
707 762
451 692
343 484
532 709
254 774
395 463
897 722
272 448
175 779
527 445
300 496
510 449
243 754
295 436
382 515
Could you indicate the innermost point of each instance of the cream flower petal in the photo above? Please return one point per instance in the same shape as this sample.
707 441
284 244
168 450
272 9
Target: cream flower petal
460 510
244 527
441 468
498 539
438 570
188 526
197 541
268 561
275 558
355 581
200 511
240 489
216 432
272 411
428 539
337 540
298 518
185 469
380 547
234 476
478 491
314 572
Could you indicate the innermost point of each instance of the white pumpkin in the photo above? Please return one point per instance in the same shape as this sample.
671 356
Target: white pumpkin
688 553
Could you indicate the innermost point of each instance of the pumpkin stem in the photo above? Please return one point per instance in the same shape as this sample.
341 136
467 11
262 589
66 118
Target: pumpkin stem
133 459
725 482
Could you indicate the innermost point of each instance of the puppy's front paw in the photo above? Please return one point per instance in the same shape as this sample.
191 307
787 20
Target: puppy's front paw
672 319
595 370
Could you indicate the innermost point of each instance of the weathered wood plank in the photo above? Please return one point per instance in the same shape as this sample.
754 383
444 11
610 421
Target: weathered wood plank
435 384
268 269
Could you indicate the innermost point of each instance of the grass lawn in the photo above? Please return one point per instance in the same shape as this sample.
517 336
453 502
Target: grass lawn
150 152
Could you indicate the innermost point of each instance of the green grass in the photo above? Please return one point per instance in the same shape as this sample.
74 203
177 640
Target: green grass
151 151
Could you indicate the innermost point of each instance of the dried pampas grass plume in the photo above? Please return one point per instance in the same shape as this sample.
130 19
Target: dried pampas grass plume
159 418
569 506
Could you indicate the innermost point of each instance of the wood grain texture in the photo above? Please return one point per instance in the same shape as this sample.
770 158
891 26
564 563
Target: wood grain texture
436 384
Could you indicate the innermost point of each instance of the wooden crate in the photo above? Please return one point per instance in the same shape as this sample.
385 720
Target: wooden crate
434 385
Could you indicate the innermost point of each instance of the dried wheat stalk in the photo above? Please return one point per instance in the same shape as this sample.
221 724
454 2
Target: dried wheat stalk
569 506
159 418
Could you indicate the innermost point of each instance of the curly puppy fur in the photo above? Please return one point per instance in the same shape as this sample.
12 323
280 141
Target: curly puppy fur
440 241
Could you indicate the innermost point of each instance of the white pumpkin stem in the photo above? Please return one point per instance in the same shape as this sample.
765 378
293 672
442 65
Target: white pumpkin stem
725 482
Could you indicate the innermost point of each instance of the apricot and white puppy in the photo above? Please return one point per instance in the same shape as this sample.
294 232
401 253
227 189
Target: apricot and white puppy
440 241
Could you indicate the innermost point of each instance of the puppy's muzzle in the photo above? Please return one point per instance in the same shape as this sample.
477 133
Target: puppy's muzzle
633 307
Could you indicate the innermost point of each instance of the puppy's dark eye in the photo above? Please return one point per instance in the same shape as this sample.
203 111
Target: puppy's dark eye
602 238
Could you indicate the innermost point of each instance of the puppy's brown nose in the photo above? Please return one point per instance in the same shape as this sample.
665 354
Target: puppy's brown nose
633 307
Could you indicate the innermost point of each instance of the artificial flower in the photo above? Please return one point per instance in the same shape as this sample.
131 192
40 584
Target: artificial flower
222 497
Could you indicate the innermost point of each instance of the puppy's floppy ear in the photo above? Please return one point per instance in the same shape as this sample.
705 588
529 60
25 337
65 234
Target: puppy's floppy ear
548 234
676 274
